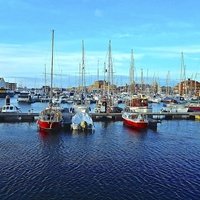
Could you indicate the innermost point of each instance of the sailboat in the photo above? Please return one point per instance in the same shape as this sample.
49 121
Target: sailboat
136 102
82 120
50 119
108 102
133 114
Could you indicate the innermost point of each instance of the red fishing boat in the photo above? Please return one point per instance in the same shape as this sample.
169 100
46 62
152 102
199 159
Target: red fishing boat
50 119
194 107
135 120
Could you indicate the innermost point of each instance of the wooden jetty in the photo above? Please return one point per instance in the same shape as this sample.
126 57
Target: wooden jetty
31 117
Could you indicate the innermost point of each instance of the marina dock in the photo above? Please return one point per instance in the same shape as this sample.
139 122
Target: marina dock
31 117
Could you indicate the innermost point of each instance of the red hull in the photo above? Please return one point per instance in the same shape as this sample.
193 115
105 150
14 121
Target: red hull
194 108
48 125
136 124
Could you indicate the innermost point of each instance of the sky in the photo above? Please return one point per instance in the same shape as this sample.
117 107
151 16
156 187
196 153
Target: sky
157 31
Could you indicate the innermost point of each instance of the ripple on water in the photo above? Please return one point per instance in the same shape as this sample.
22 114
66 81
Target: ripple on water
114 162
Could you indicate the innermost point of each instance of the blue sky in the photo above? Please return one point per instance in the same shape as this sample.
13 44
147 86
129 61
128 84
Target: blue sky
157 31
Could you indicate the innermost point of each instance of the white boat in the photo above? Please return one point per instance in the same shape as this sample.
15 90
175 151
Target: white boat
56 100
10 109
24 97
10 112
82 121
177 108
45 98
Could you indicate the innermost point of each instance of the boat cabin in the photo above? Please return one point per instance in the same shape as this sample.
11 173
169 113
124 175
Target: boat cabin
9 109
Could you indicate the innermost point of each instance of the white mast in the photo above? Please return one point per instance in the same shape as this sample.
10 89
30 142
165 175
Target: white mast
104 82
131 74
83 66
182 76
110 67
52 54
167 83
45 79
142 80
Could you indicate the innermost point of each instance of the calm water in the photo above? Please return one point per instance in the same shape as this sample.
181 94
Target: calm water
114 162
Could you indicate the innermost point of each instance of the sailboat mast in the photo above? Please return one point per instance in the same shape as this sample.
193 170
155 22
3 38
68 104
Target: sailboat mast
83 66
110 67
182 84
52 51
142 81
104 82
45 79
167 83
131 74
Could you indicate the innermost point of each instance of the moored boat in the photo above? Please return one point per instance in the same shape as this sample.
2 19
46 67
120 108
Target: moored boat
138 103
9 108
194 106
9 112
82 121
24 97
177 108
50 119
135 120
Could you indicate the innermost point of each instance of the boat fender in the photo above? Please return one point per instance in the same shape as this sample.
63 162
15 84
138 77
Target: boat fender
58 116
83 125
108 109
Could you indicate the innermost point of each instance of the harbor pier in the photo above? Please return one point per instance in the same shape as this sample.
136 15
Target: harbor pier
31 117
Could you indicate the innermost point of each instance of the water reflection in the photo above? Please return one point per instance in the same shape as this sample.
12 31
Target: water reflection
115 160
82 133
136 132
50 138
106 124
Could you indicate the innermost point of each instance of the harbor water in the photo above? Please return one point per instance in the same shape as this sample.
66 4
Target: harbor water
113 162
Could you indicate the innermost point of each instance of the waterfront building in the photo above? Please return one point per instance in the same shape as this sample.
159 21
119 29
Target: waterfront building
102 85
11 86
6 88
2 83
188 87
7 85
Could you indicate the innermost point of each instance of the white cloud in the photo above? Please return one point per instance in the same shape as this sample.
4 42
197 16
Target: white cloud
30 60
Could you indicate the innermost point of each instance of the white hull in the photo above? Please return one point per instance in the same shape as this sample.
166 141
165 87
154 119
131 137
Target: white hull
82 121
